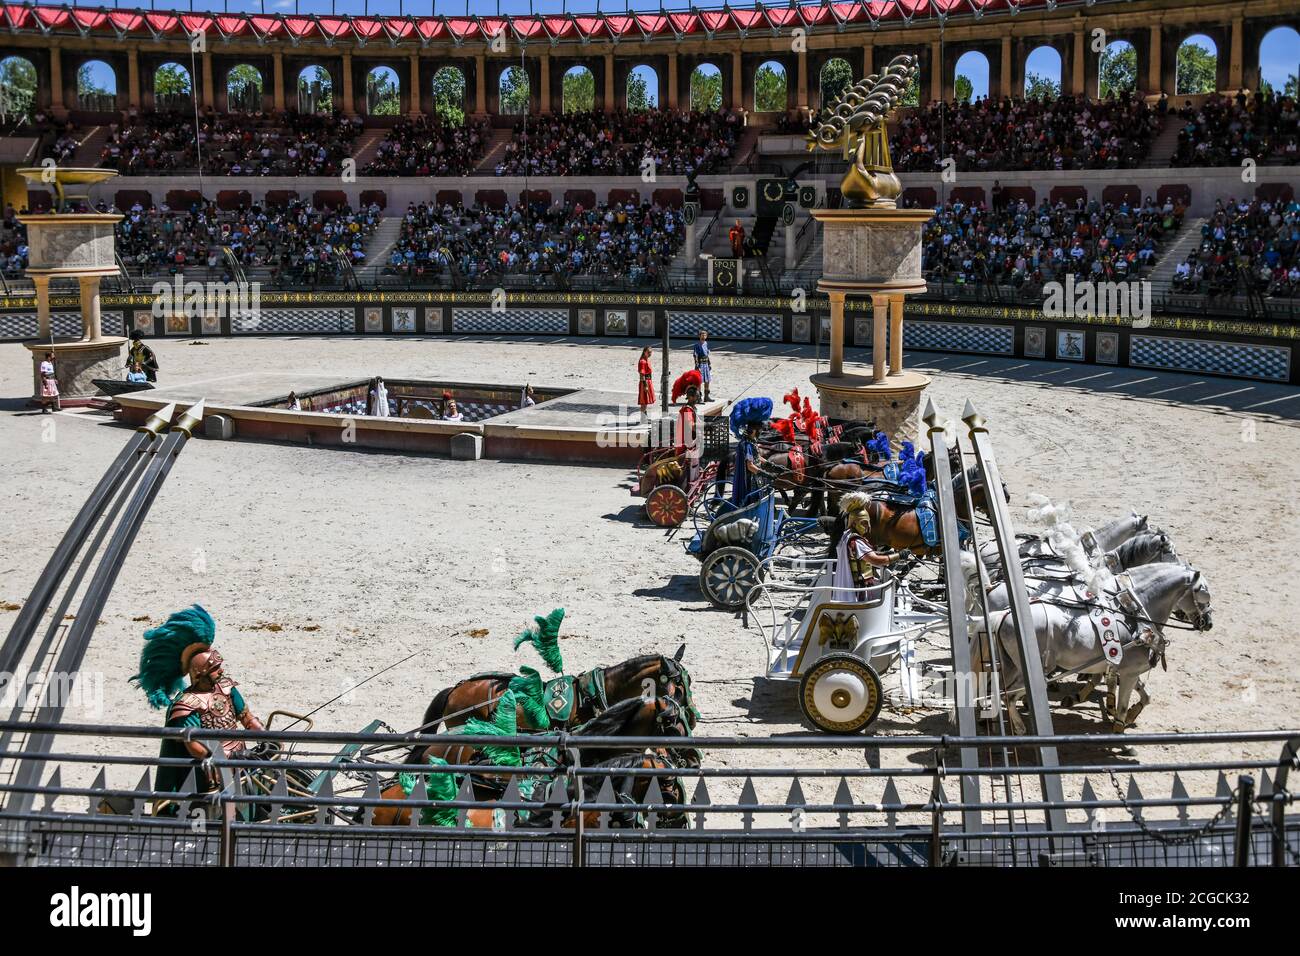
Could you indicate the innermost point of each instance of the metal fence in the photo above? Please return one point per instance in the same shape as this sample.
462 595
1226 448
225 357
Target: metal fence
802 811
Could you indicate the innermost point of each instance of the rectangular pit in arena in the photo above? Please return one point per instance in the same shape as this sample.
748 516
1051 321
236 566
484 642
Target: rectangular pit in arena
586 426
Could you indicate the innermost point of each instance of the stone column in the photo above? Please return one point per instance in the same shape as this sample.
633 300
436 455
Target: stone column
413 106
209 87
349 101
936 72
737 82
837 333
133 79
90 319
896 335
57 106
1078 70
609 82
1008 67
868 63
672 81
544 67
803 81
480 85
692 245
277 59
1155 82
879 320
791 238
1237 65
44 331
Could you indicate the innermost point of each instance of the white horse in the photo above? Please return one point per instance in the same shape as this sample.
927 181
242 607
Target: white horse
1070 623
1108 537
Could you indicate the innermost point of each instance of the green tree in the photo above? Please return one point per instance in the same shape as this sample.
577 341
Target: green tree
836 77
514 92
706 90
449 96
1117 70
87 84
913 95
171 79
578 91
1196 70
638 93
769 89
1039 87
963 88
17 85
383 95
244 88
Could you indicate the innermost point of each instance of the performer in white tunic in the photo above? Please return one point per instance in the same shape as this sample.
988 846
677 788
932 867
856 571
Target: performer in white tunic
855 558
379 399
451 411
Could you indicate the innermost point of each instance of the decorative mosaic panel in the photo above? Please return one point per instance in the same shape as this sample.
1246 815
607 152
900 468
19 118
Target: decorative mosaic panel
374 320
144 321
176 324
404 319
1070 345
645 322
1269 362
22 325
305 321
615 322
433 318
725 325
952 337
862 329
586 321
211 324
511 321
1035 342
801 328
1108 348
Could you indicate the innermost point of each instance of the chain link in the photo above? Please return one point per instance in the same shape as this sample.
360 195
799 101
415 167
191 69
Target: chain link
1173 840
1263 809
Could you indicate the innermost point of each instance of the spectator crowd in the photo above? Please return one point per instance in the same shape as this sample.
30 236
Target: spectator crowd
427 146
1068 132
1246 246
1225 130
622 240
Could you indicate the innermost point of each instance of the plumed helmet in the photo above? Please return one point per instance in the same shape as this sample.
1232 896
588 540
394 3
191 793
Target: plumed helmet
170 651
691 379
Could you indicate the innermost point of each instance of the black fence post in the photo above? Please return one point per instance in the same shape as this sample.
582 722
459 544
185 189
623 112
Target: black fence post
1245 794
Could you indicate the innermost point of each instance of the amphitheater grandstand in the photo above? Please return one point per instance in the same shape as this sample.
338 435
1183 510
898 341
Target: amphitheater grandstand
561 150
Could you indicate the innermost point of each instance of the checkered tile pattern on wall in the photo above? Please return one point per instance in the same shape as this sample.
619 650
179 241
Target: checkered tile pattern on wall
1269 362
725 325
511 321
22 325
305 321
947 337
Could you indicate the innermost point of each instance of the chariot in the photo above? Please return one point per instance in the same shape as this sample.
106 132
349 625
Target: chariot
674 485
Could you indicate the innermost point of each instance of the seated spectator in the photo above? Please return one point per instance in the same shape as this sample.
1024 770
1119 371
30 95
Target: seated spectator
1224 131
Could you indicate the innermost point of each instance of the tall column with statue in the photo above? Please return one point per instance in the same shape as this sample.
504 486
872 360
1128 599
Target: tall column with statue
65 244
871 249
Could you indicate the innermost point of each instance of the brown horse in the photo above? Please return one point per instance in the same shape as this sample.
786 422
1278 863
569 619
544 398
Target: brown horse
594 690
637 717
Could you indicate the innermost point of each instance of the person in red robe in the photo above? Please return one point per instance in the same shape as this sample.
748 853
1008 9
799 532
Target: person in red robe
645 390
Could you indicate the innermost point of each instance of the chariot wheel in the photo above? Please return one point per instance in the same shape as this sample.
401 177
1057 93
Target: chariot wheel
840 694
666 506
727 576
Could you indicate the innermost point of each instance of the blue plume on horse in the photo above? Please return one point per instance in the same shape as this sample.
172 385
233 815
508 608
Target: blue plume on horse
749 411
879 446
911 472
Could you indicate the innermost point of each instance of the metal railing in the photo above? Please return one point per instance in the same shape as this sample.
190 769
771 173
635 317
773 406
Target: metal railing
315 805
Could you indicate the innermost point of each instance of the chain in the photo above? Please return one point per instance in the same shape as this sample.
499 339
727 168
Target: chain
1173 840
1263 810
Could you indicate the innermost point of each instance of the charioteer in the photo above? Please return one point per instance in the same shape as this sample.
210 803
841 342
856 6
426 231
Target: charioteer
177 650
856 560
747 417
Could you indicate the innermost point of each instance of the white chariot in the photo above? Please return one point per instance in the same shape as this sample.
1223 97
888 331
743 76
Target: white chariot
839 643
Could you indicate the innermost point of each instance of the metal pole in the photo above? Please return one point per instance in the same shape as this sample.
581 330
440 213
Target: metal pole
963 676
663 399
1288 760
579 831
1245 794
1030 657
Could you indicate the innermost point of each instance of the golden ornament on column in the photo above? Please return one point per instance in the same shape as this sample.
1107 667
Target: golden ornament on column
871 249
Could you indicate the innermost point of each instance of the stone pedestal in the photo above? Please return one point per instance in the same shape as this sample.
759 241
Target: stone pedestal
873 253
77 364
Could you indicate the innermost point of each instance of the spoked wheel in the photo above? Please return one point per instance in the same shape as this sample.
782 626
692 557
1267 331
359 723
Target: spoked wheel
727 576
841 694
666 506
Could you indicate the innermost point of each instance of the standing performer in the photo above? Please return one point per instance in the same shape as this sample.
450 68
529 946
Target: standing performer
178 648
645 390
687 384
379 399
747 417
49 385
703 361
140 354
855 559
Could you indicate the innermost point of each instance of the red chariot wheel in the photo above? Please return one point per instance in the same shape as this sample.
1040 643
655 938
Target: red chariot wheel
666 506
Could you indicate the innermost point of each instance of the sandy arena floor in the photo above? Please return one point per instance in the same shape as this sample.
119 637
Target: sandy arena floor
324 566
